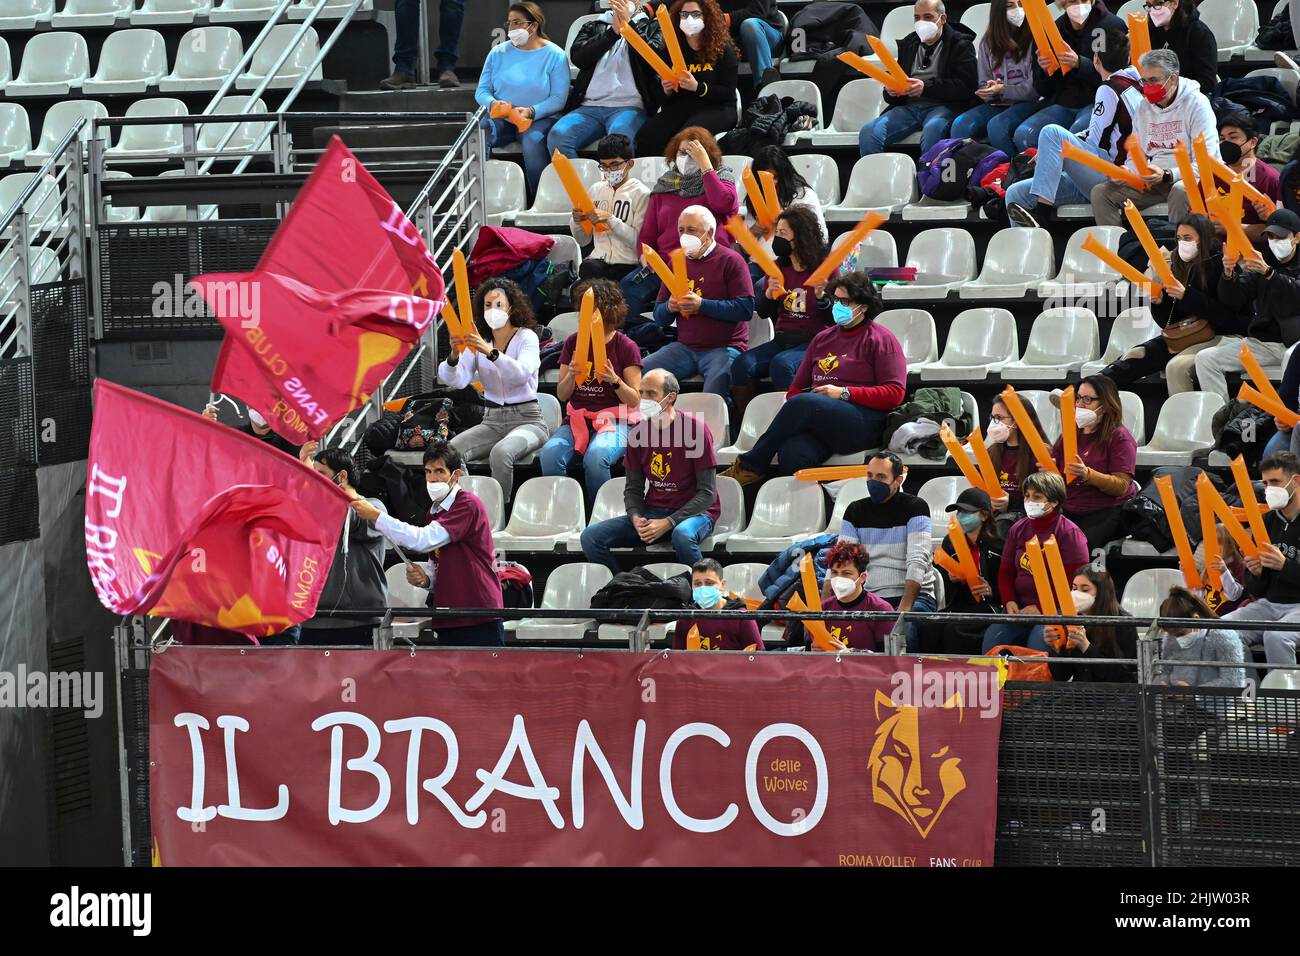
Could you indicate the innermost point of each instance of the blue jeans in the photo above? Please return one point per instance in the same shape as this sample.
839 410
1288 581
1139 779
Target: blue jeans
406 43
1281 441
900 121
1056 180
1026 135
587 124
993 122
683 361
640 287
759 42
604 450
599 539
1017 635
810 428
533 142
770 360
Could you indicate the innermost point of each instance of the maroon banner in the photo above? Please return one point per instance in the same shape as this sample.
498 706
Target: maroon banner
354 758
195 521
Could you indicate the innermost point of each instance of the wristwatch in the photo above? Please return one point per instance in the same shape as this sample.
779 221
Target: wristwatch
494 355
844 394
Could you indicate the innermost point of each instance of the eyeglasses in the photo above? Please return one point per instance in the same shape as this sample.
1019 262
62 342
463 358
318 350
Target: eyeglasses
611 165
1156 5
1087 401
1002 419
519 24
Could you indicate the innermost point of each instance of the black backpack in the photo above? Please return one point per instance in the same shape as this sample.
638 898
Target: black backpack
1242 429
1276 34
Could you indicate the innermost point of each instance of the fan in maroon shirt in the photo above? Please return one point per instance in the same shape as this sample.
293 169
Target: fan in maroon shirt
845 589
709 592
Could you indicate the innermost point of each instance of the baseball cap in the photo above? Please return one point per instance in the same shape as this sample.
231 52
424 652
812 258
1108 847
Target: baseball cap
1282 222
971 500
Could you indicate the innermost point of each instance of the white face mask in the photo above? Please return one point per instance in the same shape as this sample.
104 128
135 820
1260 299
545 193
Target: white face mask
926 30
438 490
1035 509
650 408
496 318
690 244
518 36
256 418
1187 249
1078 12
999 432
1083 601
614 176
1281 248
1085 417
686 165
1187 640
1160 16
843 587
1277 498
691 26
1016 16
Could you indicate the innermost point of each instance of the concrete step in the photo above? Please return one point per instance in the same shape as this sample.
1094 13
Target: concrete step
413 100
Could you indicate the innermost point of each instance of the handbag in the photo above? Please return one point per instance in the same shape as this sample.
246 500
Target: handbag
1184 334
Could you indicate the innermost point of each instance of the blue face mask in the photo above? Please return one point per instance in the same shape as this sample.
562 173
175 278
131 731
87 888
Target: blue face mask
706 595
968 520
842 313
878 490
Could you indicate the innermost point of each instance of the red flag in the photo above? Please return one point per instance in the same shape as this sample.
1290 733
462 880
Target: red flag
343 233
211 526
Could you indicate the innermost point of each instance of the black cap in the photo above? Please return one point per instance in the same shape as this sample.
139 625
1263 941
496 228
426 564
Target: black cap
1282 222
971 500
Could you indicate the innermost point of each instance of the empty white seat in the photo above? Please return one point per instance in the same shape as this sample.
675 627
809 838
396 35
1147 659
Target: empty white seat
1280 680
1082 273
42 206
503 183
897 24
712 410
648 169
53 65
552 206
914 329
939 493
980 341
178 213
247 136
488 490
758 416
943 259
566 249
1015 261
1147 589
742 578
292 69
25 14
786 511
805 90
204 58
333 9
822 175
171 11
91 13
1060 341
115 213
403 594
59 119
977 18
6 63
562 326
854 489
547 510
230 11
1049 416
761 331
1131 327
860 101
568 586
131 61
882 183
153 139
658 632
15 134
1234 24
1135 416
1183 429
877 251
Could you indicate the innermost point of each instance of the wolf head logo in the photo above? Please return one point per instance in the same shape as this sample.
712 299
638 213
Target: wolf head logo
914 776
830 363
660 465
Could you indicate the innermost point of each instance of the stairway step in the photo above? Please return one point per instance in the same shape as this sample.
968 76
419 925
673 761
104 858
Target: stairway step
414 100
435 136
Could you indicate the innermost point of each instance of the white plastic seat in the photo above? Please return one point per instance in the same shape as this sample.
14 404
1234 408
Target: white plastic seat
1147 589
761 331
1288 78
1280 680
759 414
247 135
930 209
141 141
1049 416
648 169
742 578
6 62
574 29
292 69
53 65
25 14
112 213
980 341
1234 23
15 134
731 517
805 90
231 11
178 213
943 259
822 175
898 23
552 418
333 9
1060 341
939 493
503 182
877 251
1015 261
43 266
568 586
658 632
860 101
91 13
1135 416
854 489
1082 273
488 490
204 58
786 511
915 331
170 11
1182 430
59 119
547 510
562 326
977 18
566 249
42 207
712 410
131 61
402 593
552 206
883 183
1131 327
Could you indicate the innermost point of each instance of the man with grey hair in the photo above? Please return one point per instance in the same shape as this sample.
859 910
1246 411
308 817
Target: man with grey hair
712 317
1173 111
670 489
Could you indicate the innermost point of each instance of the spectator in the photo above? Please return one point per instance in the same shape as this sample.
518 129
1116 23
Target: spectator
260 428
1181 311
695 176
356 578
975 515
791 189
1285 438
1068 95
531 73
1006 76
504 358
1271 289
1238 139
1010 455
845 589
1202 644
851 376
1044 494
939 59
621 201
1093 593
406 43
1103 472
707 97
615 89
894 528
713 317
799 312
1175 111
596 430
1231 566
709 592
1176 25
1059 181
462 571
756 28
1273 578
672 452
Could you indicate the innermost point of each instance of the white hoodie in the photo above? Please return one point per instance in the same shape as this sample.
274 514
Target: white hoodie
1160 129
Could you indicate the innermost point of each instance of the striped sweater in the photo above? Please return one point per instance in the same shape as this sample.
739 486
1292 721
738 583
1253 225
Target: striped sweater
896 535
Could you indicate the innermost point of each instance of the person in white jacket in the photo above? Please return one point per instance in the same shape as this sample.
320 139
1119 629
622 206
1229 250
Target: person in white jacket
1174 111
621 201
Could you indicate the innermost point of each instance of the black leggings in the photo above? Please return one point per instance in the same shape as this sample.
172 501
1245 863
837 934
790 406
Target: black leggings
682 112
1125 371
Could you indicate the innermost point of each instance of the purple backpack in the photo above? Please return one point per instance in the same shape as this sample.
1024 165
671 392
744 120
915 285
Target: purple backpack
948 168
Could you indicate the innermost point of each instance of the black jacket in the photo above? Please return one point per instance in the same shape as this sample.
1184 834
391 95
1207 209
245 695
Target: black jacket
595 40
1098 673
1275 299
1199 304
1078 87
1198 51
356 578
1280 587
742 10
958 77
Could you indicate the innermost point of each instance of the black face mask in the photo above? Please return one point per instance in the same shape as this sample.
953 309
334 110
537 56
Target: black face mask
781 247
1230 152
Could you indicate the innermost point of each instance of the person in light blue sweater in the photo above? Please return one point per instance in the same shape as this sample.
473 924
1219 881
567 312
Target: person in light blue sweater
532 74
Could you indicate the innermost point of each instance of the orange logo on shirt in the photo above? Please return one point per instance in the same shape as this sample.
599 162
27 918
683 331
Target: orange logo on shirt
661 464
830 363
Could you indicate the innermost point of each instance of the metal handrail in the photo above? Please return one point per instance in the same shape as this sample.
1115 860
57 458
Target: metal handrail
73 133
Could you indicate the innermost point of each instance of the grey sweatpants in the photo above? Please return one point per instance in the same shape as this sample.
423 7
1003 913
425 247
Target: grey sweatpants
504 436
